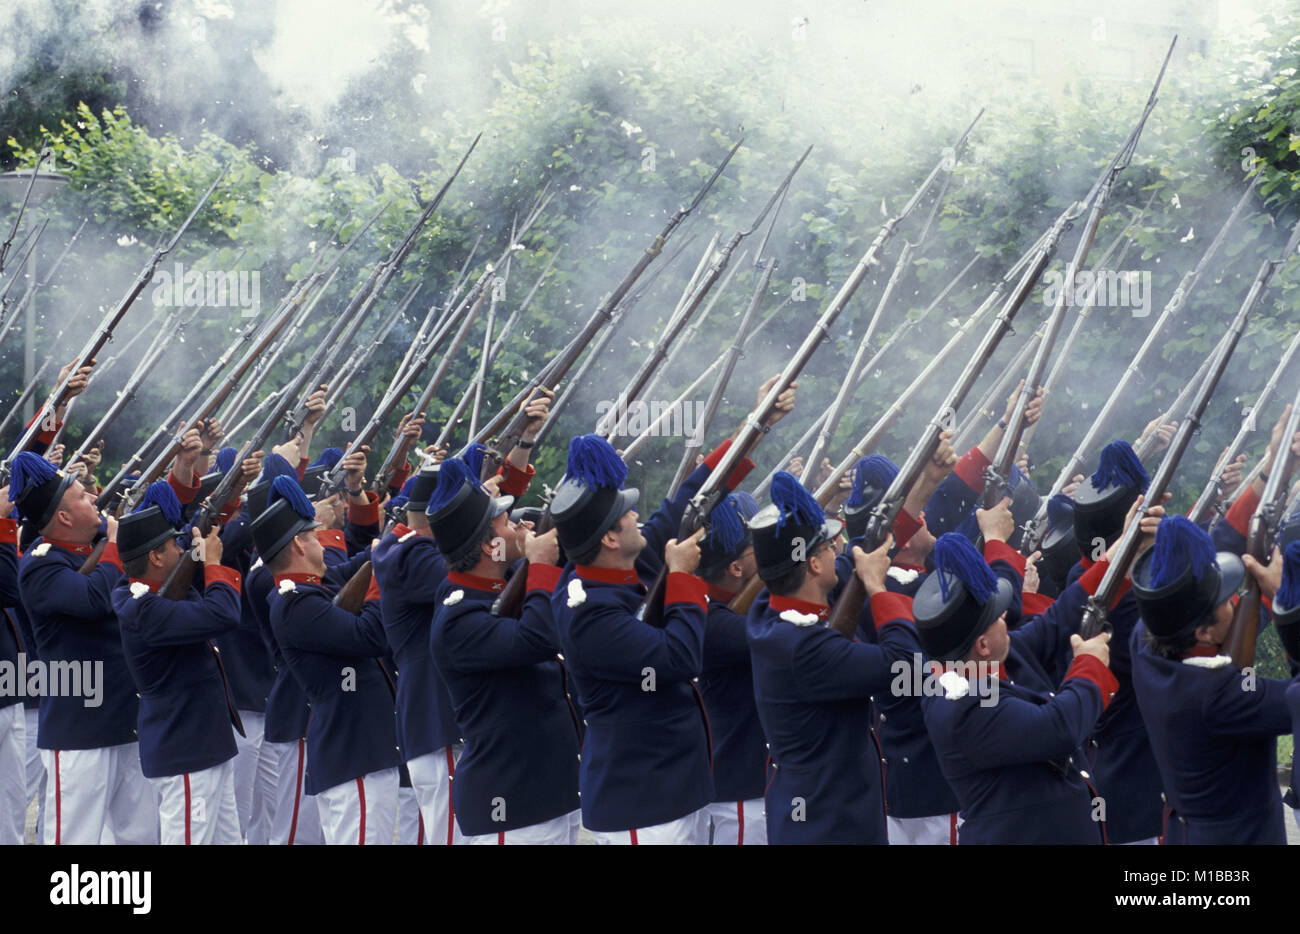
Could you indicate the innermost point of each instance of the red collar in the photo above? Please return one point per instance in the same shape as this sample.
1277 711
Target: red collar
605 575
718 595
331 538
74 547
154 586
474 582
400 529
781 604
297 578
1202 651
909 567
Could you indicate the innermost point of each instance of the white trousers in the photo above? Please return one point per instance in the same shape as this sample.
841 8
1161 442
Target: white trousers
410 822
13 775
558 831
691 830
295 820
738 823
362 811
254 780
35 771
431 777
1145 841
95 795
198 808
936 830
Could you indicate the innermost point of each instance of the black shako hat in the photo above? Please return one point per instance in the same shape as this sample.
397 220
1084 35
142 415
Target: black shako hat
1179 580
590 498
460 511
288 513
872 476
1286 602
1060 550
273 465
958 602
36 487
786 532
422 486
1102 501
726 539
155 519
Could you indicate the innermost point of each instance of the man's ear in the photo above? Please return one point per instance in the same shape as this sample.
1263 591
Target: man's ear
610 538
735 570
979 650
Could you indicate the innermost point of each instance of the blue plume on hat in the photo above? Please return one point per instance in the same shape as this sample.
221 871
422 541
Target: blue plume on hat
795 503
329 457
27 472
161 494
273 465
874 470
594 461
286 488
726 527
1180 543
746 505
1288 594
1060 511
1119 466
405 492
226 459
473 456
954 554
453 474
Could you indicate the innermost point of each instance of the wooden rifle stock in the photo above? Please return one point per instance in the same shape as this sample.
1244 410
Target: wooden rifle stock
92 559
352 595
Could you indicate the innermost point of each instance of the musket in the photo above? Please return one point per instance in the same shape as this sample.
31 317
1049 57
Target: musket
485 356
632 391
1213 490
1265 523
358 358
515 315
987 406
841 400
31 293
844 615
998 474
45 153
508 424
30 389
1171 310
105 332
361 304
1098 607
29 245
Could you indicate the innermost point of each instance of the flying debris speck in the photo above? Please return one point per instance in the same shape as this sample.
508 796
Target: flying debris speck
1191 232
575 188
126 240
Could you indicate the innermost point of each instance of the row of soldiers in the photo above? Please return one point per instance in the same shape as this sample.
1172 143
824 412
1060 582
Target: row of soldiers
964 707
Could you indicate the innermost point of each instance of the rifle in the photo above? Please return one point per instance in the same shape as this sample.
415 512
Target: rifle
365 299
1213 490
509 423
31 293
1098 607
838 405
352 595
1264 525
105 333
657 356
358 358
30 389
26 248
45 153
844 615
999 471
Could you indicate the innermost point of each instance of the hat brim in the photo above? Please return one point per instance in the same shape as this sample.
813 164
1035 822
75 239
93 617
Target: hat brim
499 505
1231 574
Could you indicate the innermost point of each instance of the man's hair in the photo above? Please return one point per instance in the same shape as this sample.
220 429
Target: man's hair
591 554
136 567
788 582
470 561
283 557
1172 647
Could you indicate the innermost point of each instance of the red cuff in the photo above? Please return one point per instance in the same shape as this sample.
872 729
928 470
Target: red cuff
9 532
970 469
372 591
220 574
516 481
331 538
1034 604
543 577
1090 580
686 588
1001 551
887 607
44 437
1239 515
905 526
400 473
184 493
1090 668
231 510
738 473
303 464
367 514
110 556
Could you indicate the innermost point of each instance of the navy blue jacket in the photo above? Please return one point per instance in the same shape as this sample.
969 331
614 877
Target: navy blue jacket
335 656
410 570
287 709
813 688
727 686
11 637
185 710
520 763
250 667
73 619
1215 742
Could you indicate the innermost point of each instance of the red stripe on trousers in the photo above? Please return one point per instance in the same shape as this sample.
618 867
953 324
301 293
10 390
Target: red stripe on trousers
361 792
451 810
186 776
297 796
740 817
633 833
419 841
952 829
58 801
501 838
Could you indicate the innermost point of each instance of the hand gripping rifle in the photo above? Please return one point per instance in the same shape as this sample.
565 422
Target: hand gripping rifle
105 332
1098 607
